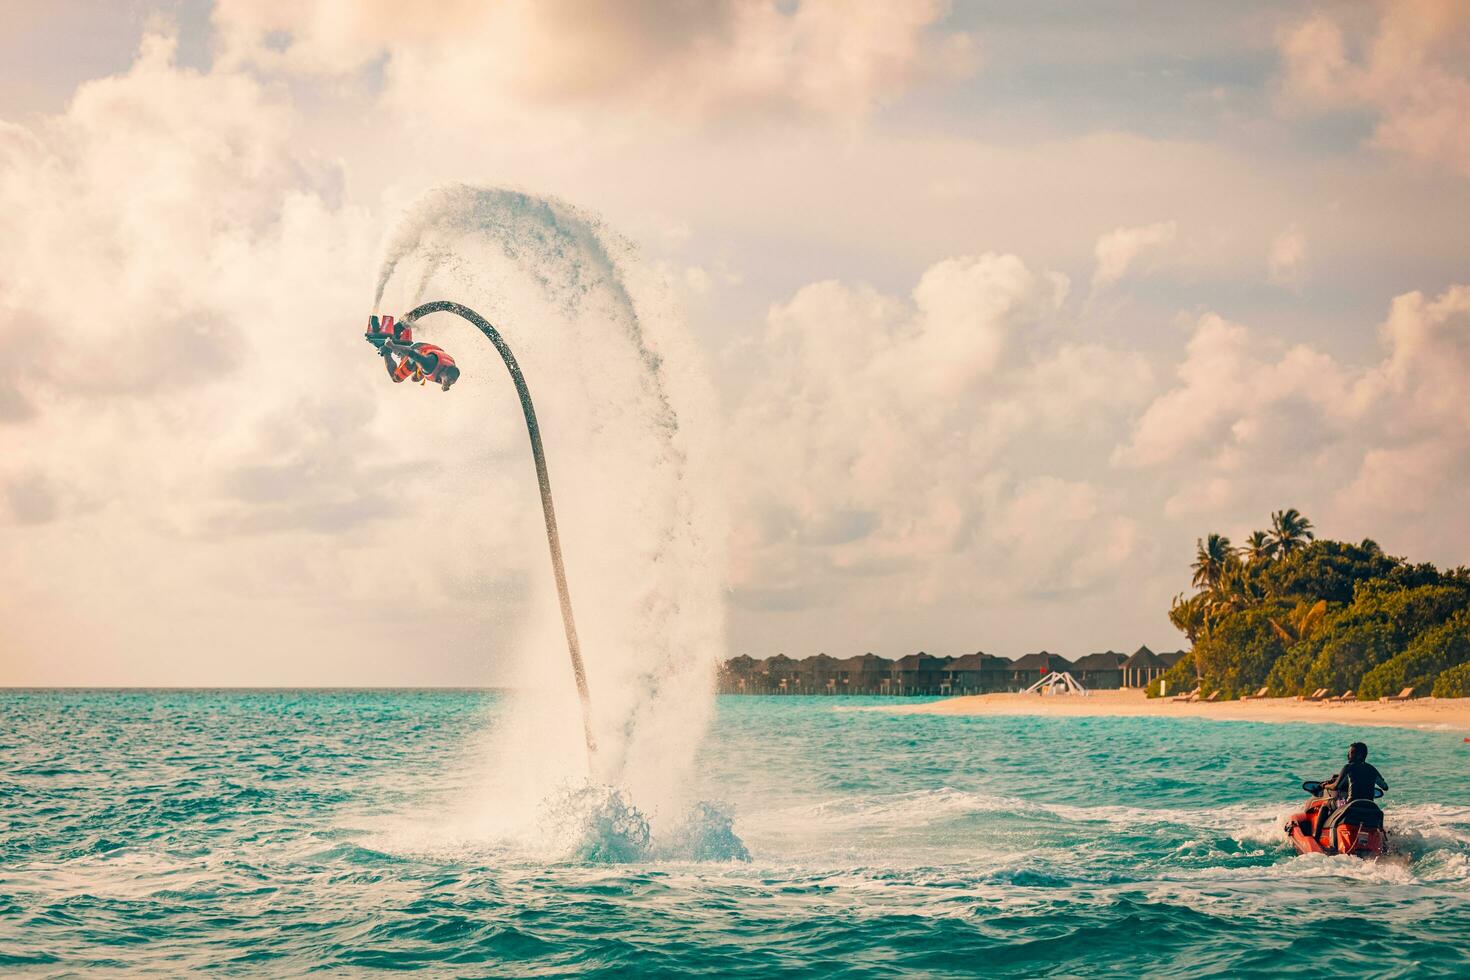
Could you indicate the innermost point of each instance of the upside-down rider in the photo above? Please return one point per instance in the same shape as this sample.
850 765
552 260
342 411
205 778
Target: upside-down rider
419 362
1357 781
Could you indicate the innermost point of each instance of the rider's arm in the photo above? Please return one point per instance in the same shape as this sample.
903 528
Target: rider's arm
388 363
407 352
1378 779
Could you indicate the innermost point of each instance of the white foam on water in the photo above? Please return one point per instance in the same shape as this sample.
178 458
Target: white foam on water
626 411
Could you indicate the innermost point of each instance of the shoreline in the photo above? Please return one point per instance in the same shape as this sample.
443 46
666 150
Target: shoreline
1443 714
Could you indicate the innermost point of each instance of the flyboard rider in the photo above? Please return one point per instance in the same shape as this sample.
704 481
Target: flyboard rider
419 362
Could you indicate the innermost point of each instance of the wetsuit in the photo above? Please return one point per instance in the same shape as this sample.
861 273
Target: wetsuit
1357 779
1355 782
425 362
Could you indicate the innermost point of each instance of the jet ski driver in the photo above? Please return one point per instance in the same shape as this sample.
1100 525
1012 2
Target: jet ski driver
419 362
1356 781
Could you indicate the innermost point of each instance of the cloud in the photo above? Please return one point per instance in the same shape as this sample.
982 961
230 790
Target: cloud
872 452
186 436
1120 248
1286 256
1411 72
691 61
1237 390
1370 448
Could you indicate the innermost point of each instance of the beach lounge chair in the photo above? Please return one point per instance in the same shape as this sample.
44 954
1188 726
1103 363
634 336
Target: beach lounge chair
1344 698
1212 698
1316 695
1407 694
1258 696
1191 696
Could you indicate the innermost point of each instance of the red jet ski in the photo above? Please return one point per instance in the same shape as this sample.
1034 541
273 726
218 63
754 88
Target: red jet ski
1360 832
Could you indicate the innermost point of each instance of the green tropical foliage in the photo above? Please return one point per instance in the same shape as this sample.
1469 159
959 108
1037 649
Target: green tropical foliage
1454 683
1430 654
1291 531
1259 547
1293 613
1211 558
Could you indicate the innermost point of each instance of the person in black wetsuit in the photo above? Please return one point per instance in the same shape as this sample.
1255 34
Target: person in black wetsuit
1356 781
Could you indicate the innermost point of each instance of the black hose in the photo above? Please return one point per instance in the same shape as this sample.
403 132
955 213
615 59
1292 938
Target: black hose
553 539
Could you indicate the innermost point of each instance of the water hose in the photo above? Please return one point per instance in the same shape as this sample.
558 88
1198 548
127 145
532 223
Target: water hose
553 539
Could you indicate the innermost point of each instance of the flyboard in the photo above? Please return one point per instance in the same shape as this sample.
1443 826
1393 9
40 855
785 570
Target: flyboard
383 332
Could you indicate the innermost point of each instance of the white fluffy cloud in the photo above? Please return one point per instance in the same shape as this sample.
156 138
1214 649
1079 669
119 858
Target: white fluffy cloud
730 57
1233 385
1118 250
875 445
1412 72
1369 447
189 447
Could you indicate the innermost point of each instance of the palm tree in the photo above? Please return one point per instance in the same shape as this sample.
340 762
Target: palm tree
1371 546
1259 547
1291 531
1300 622
1211 556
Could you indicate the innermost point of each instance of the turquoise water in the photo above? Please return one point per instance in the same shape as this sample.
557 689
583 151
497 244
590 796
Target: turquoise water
281 833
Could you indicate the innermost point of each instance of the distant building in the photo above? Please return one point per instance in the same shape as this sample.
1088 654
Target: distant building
739 675
1173 657
1142 668
866 674
918 673
922 673
1100 671
977 673
817 674
1034 666
781 674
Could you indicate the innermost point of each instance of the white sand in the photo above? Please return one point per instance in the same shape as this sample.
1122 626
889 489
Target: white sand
1438 713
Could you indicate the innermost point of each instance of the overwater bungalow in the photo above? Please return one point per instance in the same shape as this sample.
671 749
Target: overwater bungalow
1100 671
977 673
781 674
1142 667
865 674
739 675
918 673
1034 666
818 674
921 673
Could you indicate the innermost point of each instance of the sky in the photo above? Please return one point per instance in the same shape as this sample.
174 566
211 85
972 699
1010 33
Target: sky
1001 305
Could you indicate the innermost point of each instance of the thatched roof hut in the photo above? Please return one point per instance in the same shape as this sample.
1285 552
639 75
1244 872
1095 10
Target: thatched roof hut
779 667
978 671
979 660
741 666
1034 665
1142 667
919 671
1100 670
863 674
817 670
868 663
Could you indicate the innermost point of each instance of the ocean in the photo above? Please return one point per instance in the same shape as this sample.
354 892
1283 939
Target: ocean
284 833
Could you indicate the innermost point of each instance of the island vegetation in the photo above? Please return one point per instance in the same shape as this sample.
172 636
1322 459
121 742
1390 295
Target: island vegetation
1294 614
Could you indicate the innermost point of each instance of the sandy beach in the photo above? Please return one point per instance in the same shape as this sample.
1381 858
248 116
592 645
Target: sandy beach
1438 713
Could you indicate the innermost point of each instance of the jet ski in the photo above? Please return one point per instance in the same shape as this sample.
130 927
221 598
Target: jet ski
1360 832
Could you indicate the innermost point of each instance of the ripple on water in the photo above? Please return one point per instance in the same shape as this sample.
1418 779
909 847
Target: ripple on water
279 833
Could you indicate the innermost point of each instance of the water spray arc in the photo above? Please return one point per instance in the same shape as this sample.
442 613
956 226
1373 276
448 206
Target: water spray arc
553 539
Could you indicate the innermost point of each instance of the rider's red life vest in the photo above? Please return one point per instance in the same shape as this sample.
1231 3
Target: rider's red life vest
445 361
407 367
